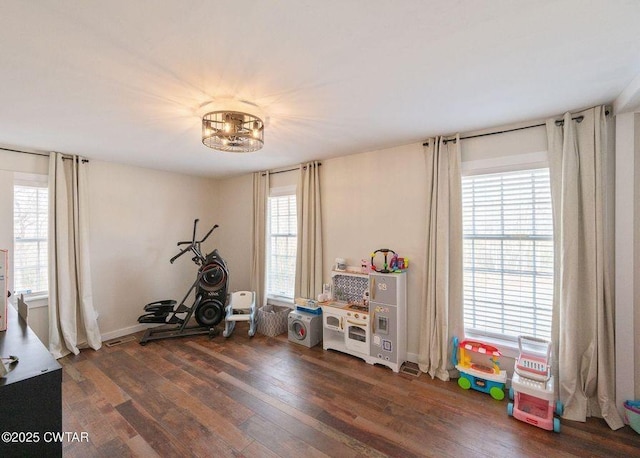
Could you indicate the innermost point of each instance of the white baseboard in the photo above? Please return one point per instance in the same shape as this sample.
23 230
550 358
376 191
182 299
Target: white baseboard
412 357
124 331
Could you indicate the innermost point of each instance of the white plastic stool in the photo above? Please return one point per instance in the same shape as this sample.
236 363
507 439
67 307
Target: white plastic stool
241 307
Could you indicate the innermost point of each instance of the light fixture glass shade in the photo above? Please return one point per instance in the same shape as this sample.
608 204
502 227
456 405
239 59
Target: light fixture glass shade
232 131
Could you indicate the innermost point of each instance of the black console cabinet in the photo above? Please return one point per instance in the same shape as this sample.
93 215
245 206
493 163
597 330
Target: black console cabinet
30 395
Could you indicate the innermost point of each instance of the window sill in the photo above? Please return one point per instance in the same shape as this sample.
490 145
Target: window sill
508 348
282 302
33 302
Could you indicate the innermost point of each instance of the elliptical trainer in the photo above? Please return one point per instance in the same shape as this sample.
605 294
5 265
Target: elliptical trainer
210 287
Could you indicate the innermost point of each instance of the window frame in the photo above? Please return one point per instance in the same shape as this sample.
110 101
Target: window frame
503 164
279 191
35 181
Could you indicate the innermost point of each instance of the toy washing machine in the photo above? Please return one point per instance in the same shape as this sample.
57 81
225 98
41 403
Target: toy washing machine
305 328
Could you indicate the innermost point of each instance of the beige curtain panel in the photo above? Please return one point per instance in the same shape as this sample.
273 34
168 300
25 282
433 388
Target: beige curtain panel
583 249
308 282
72 318
259 236
441 307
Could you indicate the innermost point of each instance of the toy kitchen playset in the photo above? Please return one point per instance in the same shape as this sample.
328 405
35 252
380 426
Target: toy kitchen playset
367 316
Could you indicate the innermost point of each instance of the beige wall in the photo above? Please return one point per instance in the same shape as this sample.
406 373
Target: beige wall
235 217
371 200
137 216
496 149
26 163
377 200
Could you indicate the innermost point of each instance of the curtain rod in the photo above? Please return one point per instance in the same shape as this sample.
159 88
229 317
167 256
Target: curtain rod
287 170
64 156
559 122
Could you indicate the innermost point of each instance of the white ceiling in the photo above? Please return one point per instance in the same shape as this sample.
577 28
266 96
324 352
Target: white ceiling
122 80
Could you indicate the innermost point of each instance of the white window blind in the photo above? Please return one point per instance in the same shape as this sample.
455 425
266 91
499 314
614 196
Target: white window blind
508 254
282 246
30 244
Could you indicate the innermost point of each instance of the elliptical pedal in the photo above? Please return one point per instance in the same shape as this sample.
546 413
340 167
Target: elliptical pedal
153 318
165 306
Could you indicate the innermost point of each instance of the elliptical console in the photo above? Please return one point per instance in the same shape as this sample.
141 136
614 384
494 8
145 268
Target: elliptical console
210 287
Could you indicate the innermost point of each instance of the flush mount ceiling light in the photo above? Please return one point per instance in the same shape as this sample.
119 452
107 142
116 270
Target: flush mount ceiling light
233 129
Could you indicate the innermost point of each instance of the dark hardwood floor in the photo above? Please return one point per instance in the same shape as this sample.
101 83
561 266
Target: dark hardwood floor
266 397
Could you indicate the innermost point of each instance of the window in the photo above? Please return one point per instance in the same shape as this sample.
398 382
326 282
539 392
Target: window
282 244
508 254
30 233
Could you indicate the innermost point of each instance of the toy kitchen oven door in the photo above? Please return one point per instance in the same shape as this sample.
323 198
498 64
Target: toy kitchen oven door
388 309
357 332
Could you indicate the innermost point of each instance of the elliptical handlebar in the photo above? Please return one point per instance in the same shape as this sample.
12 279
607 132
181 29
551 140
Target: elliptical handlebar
180 254
195 225
194 245
208 233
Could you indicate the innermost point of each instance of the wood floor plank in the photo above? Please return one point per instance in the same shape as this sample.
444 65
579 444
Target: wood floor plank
115 447
434 415
278 440
267 397
376 442
179 372
140 447
257 450
314 432
149 429
206 416
201 383
158 400
107 387
220 356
